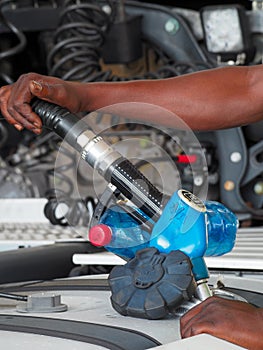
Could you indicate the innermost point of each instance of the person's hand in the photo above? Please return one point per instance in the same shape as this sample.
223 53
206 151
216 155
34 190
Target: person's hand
15 99
235 321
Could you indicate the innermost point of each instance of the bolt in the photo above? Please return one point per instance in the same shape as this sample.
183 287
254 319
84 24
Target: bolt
257 5
229 185
235 157
198 180
171 26
258 188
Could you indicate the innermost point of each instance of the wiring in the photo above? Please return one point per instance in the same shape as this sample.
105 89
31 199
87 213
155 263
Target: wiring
13 296
61 208
19 47
3 134
20 35
78 41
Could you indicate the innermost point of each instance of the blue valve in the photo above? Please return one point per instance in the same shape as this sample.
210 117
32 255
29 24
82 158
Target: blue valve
182 226
187 224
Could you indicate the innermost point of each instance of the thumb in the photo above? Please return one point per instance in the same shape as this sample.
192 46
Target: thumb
42 90
47 91
36 88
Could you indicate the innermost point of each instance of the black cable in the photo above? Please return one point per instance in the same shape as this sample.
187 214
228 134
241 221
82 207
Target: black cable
63 168
6 78
13 296
22 41
3 134
78 41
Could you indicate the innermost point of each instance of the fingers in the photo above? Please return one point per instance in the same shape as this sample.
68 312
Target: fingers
4 95
15 108
15 102
15 99
18 104
25 118
21 116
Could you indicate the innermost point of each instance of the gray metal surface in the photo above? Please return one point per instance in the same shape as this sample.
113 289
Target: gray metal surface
93 306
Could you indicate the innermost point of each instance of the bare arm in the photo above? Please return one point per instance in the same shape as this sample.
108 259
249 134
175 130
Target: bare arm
212 99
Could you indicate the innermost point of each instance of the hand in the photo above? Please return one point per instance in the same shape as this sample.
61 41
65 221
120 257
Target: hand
235 321
15 99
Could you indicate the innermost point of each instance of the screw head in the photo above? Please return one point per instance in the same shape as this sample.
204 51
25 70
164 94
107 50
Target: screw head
229 185
258 188
171 26
235 157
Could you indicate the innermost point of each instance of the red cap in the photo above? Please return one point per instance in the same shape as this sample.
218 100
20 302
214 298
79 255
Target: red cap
100 235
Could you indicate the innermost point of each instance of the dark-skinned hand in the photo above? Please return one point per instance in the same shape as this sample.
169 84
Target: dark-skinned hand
235 321
15 99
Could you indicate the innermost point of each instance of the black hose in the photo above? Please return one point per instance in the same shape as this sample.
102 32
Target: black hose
13 296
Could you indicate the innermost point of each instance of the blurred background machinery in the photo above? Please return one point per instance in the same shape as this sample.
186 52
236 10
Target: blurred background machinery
123 40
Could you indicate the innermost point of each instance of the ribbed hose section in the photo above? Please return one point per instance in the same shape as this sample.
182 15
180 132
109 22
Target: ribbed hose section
60 120
50 114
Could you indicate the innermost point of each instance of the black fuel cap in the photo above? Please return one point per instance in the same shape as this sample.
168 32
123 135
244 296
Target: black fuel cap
152 284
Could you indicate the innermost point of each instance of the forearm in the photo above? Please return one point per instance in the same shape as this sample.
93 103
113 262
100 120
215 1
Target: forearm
212 99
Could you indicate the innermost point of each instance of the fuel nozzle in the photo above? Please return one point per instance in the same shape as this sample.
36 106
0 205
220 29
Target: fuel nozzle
110 164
